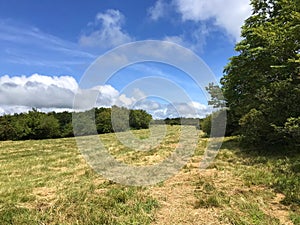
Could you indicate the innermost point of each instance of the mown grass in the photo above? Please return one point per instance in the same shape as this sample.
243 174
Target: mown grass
48 182
159 150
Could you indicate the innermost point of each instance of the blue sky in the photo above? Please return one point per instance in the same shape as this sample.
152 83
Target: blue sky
46 47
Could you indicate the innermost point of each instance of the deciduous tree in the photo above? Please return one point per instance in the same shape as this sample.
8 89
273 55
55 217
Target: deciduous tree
262 83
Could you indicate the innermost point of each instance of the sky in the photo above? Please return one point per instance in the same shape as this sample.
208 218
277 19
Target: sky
47 48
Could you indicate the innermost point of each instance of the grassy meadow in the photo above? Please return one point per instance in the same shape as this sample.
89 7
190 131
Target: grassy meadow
49 182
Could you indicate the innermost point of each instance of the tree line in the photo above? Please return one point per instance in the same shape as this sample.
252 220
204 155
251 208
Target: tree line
261 84
178 121
40 125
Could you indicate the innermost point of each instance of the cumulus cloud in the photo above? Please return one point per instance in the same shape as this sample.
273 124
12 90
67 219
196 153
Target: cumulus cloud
158 10
47 93
37 91
226 14
106 31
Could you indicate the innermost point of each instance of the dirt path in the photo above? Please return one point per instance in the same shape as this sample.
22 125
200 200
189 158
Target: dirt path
178 202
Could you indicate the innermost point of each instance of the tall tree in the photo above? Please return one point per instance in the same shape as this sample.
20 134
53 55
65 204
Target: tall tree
262 83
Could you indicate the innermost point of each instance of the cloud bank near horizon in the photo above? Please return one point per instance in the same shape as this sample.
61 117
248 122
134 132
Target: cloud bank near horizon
52 93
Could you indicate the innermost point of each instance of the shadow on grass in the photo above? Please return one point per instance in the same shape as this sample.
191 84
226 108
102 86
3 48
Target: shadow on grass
277 167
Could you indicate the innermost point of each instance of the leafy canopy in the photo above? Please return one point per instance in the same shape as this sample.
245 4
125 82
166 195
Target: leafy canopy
261 84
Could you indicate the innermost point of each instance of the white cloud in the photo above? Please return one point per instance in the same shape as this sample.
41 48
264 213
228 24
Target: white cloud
188 110
20 94
138 94
8 109
64 82
194 40
106 31
37 91
173 110
157 11
178 39
123 100
148 105
227 14
198 106
47 93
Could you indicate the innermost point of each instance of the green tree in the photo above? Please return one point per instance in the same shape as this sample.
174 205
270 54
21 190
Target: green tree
213 124
21 126
205 124
65 123
261 84
139 119
7 129
216 96
48 127
40 125
120 118
84 123
103 121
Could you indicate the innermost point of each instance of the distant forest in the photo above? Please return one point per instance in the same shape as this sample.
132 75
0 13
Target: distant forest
40 125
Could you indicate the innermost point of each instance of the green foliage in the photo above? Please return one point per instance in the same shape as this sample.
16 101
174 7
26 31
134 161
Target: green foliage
290 130
213 124
65 123
262 83
172 121
139 119
179 121
38 125
84 123
32 125
205 124
48 127
254 126
120 118
103 121
7 129
216 95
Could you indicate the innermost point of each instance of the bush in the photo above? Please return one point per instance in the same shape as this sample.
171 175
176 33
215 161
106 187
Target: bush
290 130
205 125
139 119
214 123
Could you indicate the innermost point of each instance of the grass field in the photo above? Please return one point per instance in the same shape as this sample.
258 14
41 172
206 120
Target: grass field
49 182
